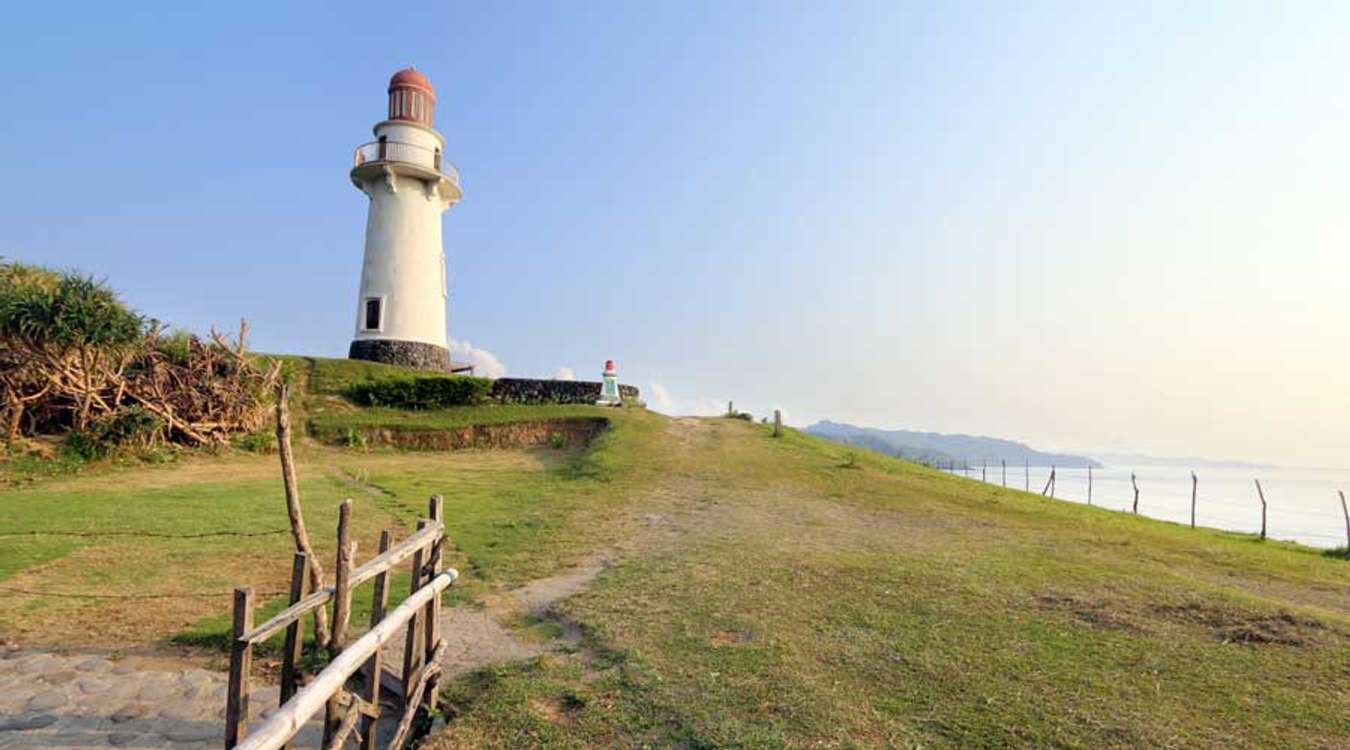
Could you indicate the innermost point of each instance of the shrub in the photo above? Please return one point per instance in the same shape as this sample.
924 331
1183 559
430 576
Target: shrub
83 446
63 310
257 442
175 346
421 392
354 438
131 427
75 358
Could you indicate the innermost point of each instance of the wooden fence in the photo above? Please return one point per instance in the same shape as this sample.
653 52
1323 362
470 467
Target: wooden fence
348 713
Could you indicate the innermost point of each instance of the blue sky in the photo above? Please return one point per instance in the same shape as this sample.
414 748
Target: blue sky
1113 228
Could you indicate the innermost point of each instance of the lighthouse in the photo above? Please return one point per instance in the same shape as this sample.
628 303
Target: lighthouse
400 311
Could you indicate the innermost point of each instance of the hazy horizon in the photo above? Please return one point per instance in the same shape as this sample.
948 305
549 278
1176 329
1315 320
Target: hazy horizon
1115 228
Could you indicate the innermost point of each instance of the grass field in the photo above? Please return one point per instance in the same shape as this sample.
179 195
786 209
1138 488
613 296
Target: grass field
790 596
765 592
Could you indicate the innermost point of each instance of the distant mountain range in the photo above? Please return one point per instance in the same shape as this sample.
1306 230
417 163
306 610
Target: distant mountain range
938 449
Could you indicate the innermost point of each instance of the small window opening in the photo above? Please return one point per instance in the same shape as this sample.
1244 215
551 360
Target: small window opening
384 145
373 314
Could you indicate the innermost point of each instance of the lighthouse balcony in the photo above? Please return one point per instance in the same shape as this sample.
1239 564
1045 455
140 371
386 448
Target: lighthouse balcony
404 158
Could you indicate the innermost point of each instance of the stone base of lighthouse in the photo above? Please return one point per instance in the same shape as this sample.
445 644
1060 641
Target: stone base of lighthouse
418 354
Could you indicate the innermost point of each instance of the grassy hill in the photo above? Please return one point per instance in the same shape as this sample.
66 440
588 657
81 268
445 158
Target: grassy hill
763 592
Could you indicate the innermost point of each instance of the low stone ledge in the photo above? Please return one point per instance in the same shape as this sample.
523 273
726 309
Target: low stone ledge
540 391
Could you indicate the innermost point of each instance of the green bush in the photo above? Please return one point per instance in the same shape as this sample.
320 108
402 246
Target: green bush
63 310
257 442
175 346
421 392
131 427
82 446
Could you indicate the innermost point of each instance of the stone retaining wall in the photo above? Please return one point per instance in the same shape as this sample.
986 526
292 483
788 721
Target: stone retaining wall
556 433
535 391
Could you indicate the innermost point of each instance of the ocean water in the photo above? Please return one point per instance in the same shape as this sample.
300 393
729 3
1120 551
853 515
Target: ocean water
1302 503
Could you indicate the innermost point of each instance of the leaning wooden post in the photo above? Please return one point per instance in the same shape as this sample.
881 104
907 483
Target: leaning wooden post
777 423
436 509
1261 494
293 508
379 602
292 652
342 610
1346 511
1134 482
1049 484
241 661
1195 485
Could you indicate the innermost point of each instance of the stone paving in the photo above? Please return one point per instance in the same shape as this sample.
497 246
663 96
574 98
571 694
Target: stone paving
80 701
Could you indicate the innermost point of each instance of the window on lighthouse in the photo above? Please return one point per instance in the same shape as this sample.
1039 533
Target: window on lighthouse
372 321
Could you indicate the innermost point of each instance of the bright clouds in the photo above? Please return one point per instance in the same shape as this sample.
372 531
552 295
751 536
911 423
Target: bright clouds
564 373
485 363
658 398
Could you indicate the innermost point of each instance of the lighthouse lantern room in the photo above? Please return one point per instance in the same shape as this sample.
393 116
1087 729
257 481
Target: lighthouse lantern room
400 312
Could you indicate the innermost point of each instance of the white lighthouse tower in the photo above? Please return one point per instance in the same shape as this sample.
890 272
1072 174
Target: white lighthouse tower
400 313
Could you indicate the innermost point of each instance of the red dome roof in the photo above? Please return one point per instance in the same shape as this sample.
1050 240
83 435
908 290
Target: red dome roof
413 79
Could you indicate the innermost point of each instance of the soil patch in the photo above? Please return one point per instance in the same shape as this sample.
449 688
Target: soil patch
1233 626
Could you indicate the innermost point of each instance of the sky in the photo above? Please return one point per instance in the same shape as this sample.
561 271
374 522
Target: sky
1087 226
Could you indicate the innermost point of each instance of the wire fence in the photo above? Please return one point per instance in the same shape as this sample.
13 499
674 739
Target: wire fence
1304 506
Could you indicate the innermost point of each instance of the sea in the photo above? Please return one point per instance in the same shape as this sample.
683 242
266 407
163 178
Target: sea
1302 504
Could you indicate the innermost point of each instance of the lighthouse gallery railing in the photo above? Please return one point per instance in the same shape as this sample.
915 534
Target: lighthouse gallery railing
407 153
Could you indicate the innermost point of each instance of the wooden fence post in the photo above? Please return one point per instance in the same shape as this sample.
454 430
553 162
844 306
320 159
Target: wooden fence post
1195 485
777 422
1089 484
293 651
379 602
1049 484
342 610
241 661
1004 462
1261 494
412 644
1134 482
436 509
984 470
1346 511
1026 470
